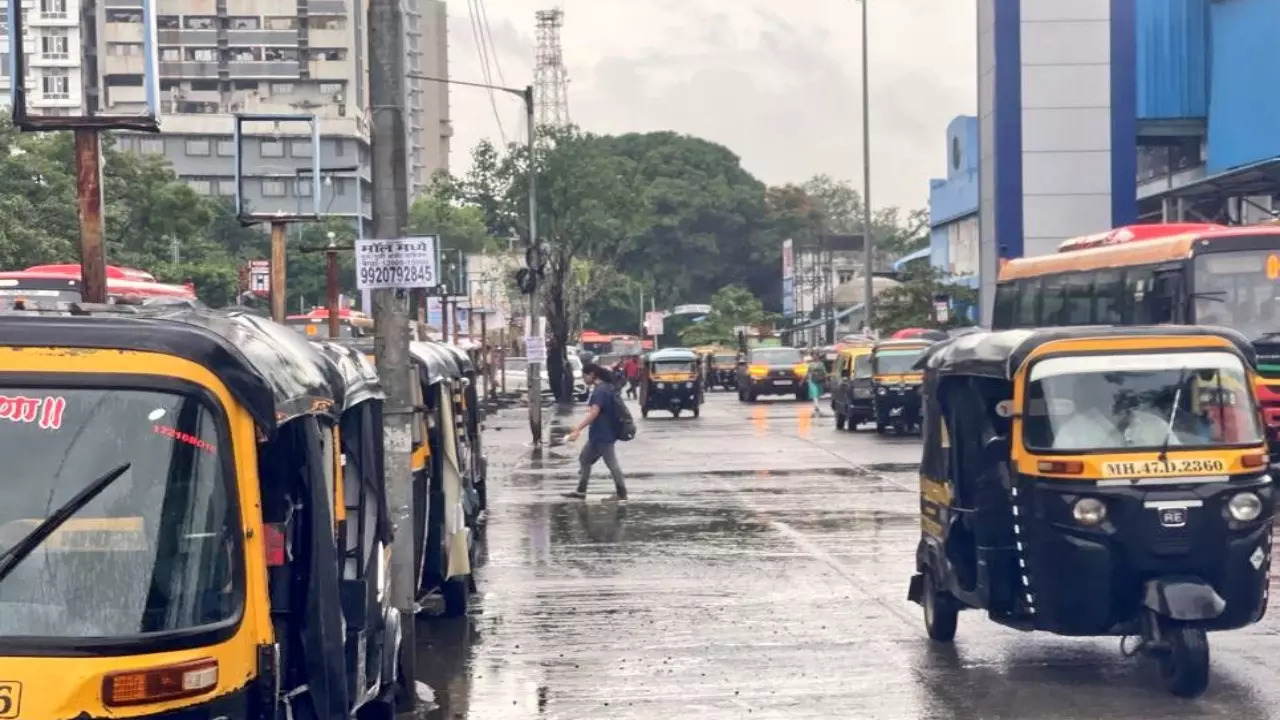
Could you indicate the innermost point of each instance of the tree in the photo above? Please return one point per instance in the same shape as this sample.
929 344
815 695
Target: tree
731 306
459 226
911 304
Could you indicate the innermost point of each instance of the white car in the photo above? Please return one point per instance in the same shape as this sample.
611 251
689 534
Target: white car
517 377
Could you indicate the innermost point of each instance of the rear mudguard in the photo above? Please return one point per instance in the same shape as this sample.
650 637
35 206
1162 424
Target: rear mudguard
1185 598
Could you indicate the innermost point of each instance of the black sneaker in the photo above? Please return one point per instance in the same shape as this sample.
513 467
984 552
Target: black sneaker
575 495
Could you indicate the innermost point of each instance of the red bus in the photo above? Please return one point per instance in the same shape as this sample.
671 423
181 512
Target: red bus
61 283
315 324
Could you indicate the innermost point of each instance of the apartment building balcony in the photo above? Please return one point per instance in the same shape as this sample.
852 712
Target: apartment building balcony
263 69
195 70
325 38
40 60
282 8
331 69
125 94
35 20
327 7
122 32
124 65
273 38
187 7
205 38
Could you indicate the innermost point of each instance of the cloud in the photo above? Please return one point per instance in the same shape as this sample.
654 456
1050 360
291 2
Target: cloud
778 83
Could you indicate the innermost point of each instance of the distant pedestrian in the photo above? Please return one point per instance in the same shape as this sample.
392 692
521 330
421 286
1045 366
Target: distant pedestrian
631 371
815 379
602 437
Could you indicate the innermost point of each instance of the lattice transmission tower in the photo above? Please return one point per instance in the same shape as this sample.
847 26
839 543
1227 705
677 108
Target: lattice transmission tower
551 79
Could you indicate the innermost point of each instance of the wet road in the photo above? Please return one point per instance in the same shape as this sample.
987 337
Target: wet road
759 571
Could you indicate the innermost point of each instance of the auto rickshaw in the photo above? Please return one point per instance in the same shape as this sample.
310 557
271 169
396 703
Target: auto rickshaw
1095 482
195 525
470 420
446 504
852 397
671 382
896 384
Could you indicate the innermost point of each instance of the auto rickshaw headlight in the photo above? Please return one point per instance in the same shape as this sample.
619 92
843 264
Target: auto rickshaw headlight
882 391
1245 506
688 385
661 385
1089 511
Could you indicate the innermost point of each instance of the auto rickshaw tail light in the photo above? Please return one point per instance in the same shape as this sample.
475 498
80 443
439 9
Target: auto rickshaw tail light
1062 467
274 541
172 682
1254 460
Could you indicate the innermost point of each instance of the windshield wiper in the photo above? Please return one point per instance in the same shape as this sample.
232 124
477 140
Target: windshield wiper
1163 457
24 547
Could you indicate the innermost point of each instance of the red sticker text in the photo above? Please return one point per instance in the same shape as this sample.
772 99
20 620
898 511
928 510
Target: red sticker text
46 411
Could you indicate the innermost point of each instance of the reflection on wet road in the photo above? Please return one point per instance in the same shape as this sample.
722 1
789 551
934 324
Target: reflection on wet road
759 571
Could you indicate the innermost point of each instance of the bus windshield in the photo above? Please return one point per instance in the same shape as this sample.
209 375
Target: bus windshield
1112 402
1232 289
154 553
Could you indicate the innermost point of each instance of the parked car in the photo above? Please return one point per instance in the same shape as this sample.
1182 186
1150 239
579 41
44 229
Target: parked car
517 377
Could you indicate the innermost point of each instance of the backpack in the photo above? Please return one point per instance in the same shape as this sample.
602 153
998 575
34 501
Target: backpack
624 426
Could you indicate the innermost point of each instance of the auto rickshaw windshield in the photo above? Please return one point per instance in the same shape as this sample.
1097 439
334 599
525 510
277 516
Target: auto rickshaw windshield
1111 402
896 362
153 553
673 366
725 359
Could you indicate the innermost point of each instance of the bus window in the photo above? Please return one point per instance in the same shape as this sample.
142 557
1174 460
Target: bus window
1107 291
1167 297
1006 304
1077 305
1028 293
1138 296
1052 302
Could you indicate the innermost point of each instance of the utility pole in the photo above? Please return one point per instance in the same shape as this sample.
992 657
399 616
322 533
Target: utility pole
535 251
868 242
391 313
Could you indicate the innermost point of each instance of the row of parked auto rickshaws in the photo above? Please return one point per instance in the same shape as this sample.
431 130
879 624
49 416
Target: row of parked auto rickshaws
1091 481
877 382
196 519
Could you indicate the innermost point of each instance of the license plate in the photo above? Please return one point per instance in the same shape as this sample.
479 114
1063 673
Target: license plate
1173 517
781 382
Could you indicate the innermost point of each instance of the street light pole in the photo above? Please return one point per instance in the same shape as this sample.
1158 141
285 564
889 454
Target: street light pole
868 242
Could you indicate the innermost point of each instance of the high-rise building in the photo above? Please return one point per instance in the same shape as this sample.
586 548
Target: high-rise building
221 57
52 28
427 121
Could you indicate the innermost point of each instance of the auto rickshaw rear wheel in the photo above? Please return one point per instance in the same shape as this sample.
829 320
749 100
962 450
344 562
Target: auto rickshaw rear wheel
1184 661
941 613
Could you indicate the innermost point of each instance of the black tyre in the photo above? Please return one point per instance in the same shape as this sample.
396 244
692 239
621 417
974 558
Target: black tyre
751 396
839 420
697 410
675 412
802 396
1184 667
457 595
881 428
644 412
941 611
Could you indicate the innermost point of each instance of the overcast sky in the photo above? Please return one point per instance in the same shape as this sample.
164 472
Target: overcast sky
777 81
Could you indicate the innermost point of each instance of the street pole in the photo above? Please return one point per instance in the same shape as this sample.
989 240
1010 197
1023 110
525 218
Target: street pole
868 242
331 288
535 299
278 274
391 315
93 251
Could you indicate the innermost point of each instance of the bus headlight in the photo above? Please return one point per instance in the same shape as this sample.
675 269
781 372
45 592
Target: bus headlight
1089 511
1245 506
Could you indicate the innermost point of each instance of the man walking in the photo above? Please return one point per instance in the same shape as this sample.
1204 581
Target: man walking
602 438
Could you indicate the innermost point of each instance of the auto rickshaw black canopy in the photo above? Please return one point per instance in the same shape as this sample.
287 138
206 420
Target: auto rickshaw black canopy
998 355
438 361
271 370
360 381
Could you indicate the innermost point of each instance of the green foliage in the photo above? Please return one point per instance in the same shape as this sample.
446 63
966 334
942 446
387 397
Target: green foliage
911 304
731 306
459 226
153 221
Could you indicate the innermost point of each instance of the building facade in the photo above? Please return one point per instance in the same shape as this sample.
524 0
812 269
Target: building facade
217 58
953 206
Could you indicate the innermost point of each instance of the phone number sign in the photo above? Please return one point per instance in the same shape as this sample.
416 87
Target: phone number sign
397 264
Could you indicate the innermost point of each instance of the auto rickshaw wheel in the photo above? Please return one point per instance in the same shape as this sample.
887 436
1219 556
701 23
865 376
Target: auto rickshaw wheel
881 428
675 412
1184 663
941 613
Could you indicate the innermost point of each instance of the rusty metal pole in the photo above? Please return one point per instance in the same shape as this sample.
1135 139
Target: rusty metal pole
277 286
93 251
420 299
331 289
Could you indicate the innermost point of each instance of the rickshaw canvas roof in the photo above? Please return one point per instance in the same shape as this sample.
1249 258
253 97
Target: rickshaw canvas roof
1000 354
273 371
675 354
360 381
439 362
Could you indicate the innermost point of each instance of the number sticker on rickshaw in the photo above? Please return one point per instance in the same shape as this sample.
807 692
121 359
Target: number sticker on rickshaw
1156 468
10 698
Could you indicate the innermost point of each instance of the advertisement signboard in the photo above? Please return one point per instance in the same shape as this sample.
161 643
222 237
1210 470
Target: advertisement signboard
788 279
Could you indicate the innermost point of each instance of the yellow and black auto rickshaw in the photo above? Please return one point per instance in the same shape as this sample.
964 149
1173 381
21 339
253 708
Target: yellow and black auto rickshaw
447 502
852 397
896 385
195 523
1093 482
671 382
